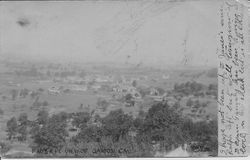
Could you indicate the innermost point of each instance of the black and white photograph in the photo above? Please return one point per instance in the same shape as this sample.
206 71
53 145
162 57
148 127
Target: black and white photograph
103 78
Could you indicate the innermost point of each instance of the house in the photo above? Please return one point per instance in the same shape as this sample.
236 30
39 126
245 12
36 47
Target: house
54 91
127 89
102 79
96 87
154 92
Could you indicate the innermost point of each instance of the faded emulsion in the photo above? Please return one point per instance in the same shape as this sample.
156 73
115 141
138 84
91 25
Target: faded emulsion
101 79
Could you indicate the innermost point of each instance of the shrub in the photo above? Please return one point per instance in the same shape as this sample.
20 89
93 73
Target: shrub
117 124
4 147
11 128
163 124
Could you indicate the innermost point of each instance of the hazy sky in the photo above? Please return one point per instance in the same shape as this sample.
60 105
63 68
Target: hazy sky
149 32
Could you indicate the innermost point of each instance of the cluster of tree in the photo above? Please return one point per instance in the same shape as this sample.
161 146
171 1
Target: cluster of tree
32 72
34 94
197 107
128 99
202 136
162 125
196 103
196 89
18 129
188 87
4 148
49 132
24 92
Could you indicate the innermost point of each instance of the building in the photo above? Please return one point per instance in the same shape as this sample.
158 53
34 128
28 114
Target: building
54 91
127 89
154 92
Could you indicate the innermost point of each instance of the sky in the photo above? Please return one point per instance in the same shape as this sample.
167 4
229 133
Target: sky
145 32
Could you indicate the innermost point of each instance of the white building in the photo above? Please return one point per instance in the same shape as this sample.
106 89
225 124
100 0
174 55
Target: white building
54 91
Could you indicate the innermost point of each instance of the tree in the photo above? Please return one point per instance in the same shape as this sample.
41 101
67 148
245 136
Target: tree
80 119
163 125
24 92
128 98
42 117
40 89
12 128
160 90
117 124
22 127
4 148
205 135
23 119
14 94
62 116
51 136
22 130
90 133
134 83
